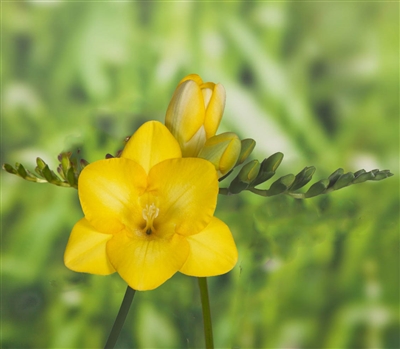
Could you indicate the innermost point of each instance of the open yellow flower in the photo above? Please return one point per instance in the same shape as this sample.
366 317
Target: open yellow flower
195 112
149 214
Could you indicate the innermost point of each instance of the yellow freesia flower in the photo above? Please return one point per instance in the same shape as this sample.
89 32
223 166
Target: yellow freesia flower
149 214
194 113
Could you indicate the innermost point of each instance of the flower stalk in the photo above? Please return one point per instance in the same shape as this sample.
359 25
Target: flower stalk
205 305
120 319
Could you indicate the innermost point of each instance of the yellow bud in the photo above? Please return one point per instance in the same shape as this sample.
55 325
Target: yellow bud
194 113
222 151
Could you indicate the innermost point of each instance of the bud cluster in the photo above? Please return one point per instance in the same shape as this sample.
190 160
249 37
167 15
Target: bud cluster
68 171
253 173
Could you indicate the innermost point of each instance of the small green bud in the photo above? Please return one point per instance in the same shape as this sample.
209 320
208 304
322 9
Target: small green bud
71 178
268 168
335 176
249 172
21 170
248 145
344 180
359 172
237 186
382 175
281 185
317 188
303 177
65 163
40 164
367 176
9 169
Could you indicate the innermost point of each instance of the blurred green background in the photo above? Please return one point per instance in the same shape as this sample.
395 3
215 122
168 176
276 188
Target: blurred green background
318 81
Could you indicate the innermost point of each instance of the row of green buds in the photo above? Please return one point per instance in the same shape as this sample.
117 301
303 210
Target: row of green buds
68 171
254 173
193 117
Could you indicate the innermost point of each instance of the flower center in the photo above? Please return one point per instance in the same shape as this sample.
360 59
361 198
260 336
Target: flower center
149 213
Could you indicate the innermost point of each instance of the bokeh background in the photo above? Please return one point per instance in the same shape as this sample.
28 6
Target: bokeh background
318 81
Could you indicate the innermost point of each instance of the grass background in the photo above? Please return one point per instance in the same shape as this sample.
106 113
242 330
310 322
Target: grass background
318 81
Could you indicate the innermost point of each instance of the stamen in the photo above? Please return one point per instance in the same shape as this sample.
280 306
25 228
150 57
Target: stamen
149 213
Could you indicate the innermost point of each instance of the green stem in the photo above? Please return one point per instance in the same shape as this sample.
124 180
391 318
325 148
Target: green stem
205 305
120 319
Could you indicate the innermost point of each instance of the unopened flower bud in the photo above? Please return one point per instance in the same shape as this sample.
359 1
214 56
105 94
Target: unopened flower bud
222 151
249 172
194 113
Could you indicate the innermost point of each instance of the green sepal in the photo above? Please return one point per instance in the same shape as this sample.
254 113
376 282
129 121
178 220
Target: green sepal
303 177
248 145
317 188
268 168
281 185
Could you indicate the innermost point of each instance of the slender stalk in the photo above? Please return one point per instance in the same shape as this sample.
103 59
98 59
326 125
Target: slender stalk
120 319
205 305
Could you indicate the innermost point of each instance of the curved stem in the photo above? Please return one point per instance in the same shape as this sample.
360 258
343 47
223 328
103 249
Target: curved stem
205 305
120 319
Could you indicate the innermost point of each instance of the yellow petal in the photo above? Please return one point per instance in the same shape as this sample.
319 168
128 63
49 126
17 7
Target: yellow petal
151 144
212 251
194 145
146 263
185 191
109 192
193 77
186 111
86 250
215 110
